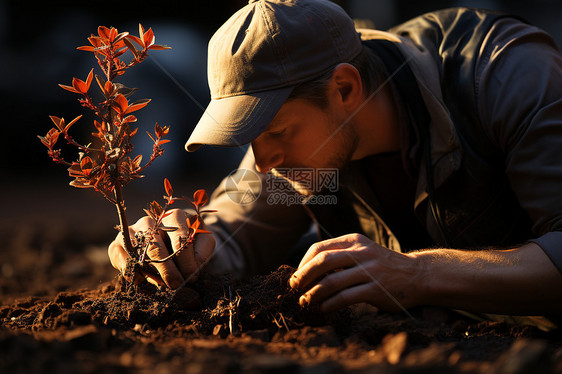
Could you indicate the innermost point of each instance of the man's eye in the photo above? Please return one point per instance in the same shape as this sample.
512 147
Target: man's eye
278 133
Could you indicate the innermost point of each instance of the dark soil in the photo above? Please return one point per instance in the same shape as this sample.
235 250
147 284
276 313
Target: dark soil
65 310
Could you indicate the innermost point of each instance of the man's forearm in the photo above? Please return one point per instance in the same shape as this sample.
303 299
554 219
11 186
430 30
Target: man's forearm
516 281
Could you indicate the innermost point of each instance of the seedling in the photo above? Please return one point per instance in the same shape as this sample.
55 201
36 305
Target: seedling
105 164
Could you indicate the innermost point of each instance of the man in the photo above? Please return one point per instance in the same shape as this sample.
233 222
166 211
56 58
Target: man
447 135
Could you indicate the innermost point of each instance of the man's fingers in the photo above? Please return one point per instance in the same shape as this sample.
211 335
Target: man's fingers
118 256
347 297
319 265
169 272
204 246
341 242
332 284
185 260
184 264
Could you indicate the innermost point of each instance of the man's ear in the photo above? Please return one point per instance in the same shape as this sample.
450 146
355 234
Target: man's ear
348 85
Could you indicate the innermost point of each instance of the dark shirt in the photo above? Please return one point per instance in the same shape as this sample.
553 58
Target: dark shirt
395 191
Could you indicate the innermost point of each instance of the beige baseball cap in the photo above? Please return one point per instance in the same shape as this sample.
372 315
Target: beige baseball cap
258 56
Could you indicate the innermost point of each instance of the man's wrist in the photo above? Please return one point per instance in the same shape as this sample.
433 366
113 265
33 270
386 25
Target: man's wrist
422 277
431 285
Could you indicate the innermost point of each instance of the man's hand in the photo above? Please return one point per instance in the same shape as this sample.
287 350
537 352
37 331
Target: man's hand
173 272
350 269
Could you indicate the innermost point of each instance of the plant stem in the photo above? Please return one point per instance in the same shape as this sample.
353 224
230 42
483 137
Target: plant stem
120 204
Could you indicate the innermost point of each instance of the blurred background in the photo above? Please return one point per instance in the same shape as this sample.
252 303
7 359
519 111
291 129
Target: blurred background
38 43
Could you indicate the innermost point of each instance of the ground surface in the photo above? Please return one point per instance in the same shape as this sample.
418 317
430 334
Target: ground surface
63 309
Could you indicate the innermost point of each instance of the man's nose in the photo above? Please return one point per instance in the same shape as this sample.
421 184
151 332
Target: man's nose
267 158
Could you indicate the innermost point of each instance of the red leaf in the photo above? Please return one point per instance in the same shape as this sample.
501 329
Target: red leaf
137 105
158 47
112 34
89 79
120 37
161 131
137 161
148 38
150 214
96 42
57 121
130 118
166 214
156 208
68 88
72 123
168 187
51 138
80 183
108 88
103 32
131 47
101 128
121 104
167 228
86 165
86 48
119 52
79 85
193 222
136 39
74 170
200 197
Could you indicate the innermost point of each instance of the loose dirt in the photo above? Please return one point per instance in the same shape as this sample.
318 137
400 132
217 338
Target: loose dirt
65 310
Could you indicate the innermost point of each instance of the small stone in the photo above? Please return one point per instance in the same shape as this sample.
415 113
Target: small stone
221 331
217 329
393 346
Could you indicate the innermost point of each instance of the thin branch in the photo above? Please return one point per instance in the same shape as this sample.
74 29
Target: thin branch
120 204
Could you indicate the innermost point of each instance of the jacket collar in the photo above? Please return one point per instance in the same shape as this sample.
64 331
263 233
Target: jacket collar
445 145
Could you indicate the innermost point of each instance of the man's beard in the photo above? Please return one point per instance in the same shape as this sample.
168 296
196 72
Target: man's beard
346 143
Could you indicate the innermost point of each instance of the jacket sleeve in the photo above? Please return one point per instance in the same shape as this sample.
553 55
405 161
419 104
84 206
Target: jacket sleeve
256 236
519 94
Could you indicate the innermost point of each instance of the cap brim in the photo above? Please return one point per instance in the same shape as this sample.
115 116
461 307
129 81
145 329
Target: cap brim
237 120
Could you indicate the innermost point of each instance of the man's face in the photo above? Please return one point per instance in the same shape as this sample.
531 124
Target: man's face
303 135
